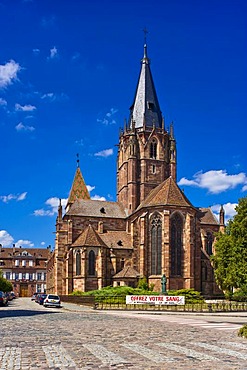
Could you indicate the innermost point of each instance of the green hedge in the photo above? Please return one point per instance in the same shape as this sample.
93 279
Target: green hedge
191 295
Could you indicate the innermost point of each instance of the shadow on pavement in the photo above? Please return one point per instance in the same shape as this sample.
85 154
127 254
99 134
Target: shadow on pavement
19 313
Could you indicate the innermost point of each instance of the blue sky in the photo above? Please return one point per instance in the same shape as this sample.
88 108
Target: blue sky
68 73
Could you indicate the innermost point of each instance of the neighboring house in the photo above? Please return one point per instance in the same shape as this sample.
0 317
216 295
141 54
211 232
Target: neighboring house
152 229
25 268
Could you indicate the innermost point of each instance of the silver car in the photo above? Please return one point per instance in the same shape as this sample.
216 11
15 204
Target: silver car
52 300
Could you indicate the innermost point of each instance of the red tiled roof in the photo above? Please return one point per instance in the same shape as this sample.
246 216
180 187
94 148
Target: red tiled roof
117 239
127 272
207 217
167 193
89 238
96 208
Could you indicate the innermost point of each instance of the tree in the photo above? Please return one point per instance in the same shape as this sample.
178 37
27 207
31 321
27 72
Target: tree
5 285
230 259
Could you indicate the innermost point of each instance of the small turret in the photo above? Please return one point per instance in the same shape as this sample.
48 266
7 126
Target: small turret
59 211
222 219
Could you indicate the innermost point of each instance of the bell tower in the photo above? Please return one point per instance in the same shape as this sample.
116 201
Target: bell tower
146 151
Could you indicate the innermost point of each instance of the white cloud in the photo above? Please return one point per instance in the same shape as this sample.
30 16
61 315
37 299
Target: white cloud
17 197
21 127
42 243
36 51
244 188
229 209
22 196
79 142
24 108
24 243
108 120
8 73
112 111
52 204
90 188
98 197
3 102
5 238
49 96
52 96
42 212
53 53
215 181
104 153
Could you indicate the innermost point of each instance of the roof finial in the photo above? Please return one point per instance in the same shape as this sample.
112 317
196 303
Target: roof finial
78 160
145 42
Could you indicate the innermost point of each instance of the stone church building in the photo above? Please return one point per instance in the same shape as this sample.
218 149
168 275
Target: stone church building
152 229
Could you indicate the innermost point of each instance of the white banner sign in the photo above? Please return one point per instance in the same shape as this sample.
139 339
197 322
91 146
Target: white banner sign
155 299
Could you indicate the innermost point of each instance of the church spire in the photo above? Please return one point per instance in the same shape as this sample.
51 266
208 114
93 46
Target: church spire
146 106
78 189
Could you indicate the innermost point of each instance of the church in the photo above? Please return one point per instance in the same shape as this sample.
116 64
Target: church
150 231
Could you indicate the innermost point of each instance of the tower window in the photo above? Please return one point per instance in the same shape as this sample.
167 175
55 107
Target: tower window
153 168
176 244
156 242
91 263
209 245
78 263
150 106
153 149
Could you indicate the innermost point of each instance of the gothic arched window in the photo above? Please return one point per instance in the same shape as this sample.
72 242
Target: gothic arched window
209 243
156 243
91 263
153 149
176 244
78 263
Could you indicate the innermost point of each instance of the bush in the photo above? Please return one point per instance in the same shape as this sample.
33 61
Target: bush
243 331
191 295
5 285
120 291
239 295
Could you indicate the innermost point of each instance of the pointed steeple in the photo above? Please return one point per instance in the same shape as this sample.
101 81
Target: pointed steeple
146 106
78 189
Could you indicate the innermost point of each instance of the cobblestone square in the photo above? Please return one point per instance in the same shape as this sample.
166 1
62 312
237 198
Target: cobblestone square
35 337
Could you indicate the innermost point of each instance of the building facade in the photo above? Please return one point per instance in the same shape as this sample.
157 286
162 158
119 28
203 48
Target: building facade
25 269
151 230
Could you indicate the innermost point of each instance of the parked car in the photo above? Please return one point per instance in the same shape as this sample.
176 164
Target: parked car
41 298
3 299
33 298
37 297
52 300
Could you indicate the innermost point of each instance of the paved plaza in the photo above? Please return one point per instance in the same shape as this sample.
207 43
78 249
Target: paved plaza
34 337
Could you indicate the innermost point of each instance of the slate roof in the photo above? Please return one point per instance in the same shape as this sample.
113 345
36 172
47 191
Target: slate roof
89 238
127 272
207 217
96 208
145 103
78 189
167 193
